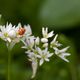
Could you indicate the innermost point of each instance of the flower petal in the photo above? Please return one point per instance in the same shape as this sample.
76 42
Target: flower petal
54 40
46 59
41 62
64 59
64 49
9 39
43 31
50 54
39 50
28 29
34 67
50 34
37 41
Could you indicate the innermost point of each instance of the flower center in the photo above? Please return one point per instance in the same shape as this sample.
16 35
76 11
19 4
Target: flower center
6 34
21 31
43 56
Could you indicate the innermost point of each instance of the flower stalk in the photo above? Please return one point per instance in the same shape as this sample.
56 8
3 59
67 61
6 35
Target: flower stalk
9 65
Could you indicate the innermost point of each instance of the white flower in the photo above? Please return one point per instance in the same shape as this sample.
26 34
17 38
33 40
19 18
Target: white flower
62 53
23 31
46 35
43 55
33 58
37 41
8 32
29 42
54 42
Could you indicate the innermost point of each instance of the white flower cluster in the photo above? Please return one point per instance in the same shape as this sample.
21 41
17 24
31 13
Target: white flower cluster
13 34
37 49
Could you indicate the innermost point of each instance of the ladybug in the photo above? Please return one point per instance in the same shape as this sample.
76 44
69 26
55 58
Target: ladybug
21 31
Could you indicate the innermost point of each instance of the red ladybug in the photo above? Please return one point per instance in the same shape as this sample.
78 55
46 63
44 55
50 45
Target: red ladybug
21 31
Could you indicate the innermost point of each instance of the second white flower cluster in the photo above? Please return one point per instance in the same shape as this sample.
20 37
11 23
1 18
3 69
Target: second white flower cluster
37 49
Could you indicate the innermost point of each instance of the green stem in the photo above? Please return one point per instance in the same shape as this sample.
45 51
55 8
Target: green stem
9 46
9 65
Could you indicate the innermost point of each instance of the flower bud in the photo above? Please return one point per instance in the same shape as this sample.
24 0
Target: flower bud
44 40
45 45
12 34
37 41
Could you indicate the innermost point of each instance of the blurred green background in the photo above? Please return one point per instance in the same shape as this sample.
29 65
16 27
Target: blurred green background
62 16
